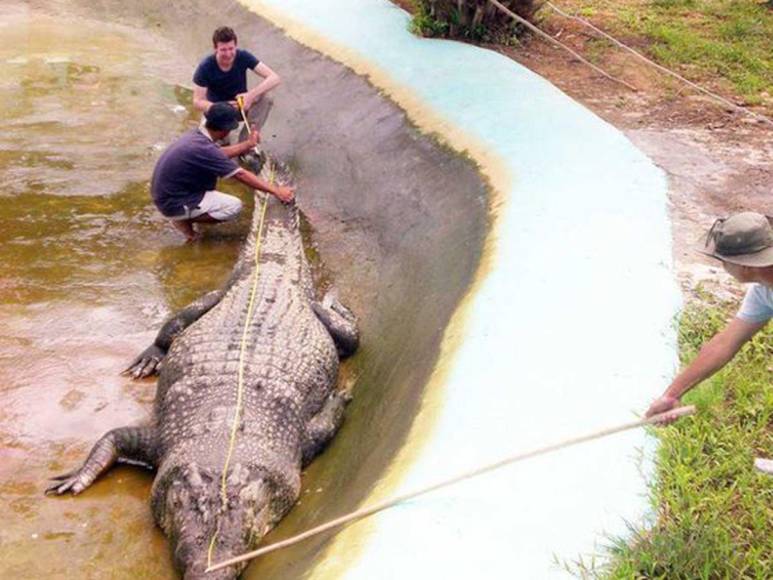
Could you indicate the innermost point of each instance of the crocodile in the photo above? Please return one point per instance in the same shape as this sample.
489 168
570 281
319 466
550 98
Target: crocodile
228 460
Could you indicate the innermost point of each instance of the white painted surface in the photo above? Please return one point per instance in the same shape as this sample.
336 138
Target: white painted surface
570 331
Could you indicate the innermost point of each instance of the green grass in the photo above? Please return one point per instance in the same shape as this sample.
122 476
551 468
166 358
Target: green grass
705 40
732 39
714 510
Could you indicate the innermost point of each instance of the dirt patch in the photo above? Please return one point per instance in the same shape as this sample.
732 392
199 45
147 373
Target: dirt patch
718 161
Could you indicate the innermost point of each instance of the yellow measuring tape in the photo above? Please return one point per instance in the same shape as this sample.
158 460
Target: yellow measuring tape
240 102
240 379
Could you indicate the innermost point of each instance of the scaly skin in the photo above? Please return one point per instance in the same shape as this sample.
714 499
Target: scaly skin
290 408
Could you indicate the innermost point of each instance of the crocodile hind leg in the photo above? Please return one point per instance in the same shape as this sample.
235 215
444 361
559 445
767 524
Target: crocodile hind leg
127 443
340 323
148 362
324 425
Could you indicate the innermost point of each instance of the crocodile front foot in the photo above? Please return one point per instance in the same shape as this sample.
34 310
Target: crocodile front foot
340 322
73 481
136 444
147 363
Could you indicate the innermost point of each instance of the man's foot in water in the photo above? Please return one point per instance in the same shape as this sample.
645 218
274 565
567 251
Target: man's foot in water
185 227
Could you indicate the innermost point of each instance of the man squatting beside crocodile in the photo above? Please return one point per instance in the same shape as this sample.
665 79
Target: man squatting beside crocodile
185 176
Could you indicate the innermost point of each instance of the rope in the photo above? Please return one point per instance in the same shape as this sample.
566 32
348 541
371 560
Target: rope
549 38
240 379
661 68
365 512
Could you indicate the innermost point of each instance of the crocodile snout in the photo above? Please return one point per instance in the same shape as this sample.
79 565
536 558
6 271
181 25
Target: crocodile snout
204 529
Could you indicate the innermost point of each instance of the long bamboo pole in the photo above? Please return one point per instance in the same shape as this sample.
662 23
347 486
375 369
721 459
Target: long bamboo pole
367 511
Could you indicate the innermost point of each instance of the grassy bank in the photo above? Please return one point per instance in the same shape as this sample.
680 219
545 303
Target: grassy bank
726 44
714 510
702 39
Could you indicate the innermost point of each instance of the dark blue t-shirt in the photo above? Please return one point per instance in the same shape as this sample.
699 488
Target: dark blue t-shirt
222 85
186 171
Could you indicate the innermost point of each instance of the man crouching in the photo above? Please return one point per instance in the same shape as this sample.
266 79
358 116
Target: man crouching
185 176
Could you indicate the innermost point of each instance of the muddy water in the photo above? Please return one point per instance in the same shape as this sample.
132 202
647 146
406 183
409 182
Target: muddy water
87 268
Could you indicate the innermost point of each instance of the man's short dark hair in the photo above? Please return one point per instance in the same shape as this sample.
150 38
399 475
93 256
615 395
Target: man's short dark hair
224 34
221 117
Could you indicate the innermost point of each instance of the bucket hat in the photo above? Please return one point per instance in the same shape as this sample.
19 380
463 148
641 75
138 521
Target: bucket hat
744 238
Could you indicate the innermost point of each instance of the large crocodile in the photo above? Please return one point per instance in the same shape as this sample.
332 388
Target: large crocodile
287 409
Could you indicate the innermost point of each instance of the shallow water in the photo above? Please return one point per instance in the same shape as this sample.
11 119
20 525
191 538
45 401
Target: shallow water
88 266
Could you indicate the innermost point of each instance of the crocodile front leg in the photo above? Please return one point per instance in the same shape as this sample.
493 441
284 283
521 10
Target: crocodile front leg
324 425
340 322
148 362
128 443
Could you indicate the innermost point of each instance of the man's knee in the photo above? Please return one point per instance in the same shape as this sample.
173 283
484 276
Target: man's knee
220 206
230 210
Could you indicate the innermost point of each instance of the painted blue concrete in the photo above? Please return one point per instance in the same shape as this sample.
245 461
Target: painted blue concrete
569 332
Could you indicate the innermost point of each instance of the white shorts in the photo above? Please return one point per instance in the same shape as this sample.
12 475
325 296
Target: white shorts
220 206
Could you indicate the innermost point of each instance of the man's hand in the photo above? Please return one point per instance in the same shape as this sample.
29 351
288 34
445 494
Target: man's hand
284 193
247 101
713 356
253 139
663 405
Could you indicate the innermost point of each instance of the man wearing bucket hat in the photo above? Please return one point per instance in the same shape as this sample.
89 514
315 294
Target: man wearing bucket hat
744 244
184 179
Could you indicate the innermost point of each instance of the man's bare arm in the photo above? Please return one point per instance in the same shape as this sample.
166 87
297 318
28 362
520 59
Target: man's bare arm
246 145
270 81
237 149
713 355
282 192
200 98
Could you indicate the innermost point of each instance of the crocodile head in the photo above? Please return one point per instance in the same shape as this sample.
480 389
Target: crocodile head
189 507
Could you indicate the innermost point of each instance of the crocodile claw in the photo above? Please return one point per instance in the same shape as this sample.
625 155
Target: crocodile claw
73 481
146 364
63 476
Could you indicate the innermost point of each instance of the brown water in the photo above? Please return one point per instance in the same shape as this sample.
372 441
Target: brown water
88 267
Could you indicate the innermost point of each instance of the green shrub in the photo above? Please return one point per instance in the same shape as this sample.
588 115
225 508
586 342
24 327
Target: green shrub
475 20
